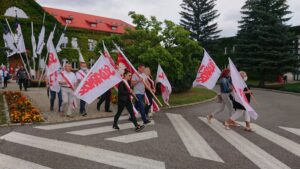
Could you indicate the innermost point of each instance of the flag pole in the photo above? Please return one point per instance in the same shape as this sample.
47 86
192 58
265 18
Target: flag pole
33 58
138 75
15 44
42 73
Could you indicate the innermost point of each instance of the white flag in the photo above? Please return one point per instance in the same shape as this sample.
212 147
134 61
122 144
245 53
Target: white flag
33 42
50 39
238 92
9 42
99 79
20 40
166 88
81 59
41 43
208 73
52 68
107 55
62 40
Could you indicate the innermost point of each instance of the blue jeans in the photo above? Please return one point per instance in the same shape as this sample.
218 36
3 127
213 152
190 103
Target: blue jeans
140 106
52 99
82 106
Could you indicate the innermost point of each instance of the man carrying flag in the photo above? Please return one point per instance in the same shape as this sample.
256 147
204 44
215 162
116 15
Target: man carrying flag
52 73
107 95
68 81
148 96
166 88
80 76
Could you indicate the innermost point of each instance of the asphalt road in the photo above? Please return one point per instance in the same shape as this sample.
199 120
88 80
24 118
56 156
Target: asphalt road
177 139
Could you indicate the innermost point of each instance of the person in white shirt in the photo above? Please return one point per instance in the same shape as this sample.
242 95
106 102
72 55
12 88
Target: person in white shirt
68 82
80 76
1 78
138 82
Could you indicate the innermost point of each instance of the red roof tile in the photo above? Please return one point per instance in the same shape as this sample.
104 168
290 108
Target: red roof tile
84 21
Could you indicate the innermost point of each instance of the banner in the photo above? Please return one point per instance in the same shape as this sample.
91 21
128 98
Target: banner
20 40
8 41
99 79
238 92
208 73
52 68
166 88
41 43
33 42
108 56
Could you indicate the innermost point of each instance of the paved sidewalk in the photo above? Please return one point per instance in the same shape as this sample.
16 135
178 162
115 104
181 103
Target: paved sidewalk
39 98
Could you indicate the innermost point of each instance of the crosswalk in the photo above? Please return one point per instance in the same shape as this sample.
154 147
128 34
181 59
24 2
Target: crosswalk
189 138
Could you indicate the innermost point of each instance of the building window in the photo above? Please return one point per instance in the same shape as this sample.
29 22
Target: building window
92 44
233 49
92 62
68 21
74 43
114 28
66 41
74 64
94 25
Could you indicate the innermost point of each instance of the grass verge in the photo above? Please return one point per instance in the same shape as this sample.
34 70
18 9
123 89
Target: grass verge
194 95
2 113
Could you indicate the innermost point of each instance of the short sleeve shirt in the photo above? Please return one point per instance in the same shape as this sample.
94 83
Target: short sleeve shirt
139 88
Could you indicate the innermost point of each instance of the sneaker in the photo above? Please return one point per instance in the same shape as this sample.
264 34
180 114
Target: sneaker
147 122
209 117
116 127
84 114
248 129
139 128
226 125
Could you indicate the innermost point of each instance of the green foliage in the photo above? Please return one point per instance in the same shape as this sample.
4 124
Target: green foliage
198 17
164 43
35 13
264 42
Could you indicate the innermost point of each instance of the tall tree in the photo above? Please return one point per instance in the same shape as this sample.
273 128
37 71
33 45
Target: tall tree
198 17
264 42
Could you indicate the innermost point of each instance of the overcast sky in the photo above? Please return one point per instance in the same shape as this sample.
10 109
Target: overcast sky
162 9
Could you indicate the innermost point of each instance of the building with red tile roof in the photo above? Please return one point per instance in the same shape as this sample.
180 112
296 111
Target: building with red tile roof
87 21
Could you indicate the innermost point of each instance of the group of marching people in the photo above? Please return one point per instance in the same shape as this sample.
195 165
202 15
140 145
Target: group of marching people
141 82
227 100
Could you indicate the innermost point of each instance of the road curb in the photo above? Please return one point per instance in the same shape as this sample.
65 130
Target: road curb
277 91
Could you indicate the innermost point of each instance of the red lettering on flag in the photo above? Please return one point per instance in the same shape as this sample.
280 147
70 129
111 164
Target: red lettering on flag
162 76
96 78
206 71
52 59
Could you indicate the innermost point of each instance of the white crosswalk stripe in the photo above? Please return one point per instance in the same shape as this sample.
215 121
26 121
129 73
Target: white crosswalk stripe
283 142
292 130
9 162
194 143
84 152
78 123
254 153
105 129
134 137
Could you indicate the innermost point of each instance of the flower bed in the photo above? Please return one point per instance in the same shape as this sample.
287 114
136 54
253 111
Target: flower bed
21 109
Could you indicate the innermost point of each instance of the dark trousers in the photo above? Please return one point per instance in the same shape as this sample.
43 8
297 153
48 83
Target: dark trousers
105 97
23 82
82 106
148 107
5 81
52 99
140 106
121 106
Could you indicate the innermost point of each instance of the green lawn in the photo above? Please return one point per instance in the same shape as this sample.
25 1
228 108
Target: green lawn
192 96
291 87
2 114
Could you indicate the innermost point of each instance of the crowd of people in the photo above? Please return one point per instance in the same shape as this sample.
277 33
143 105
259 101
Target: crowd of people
133 86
